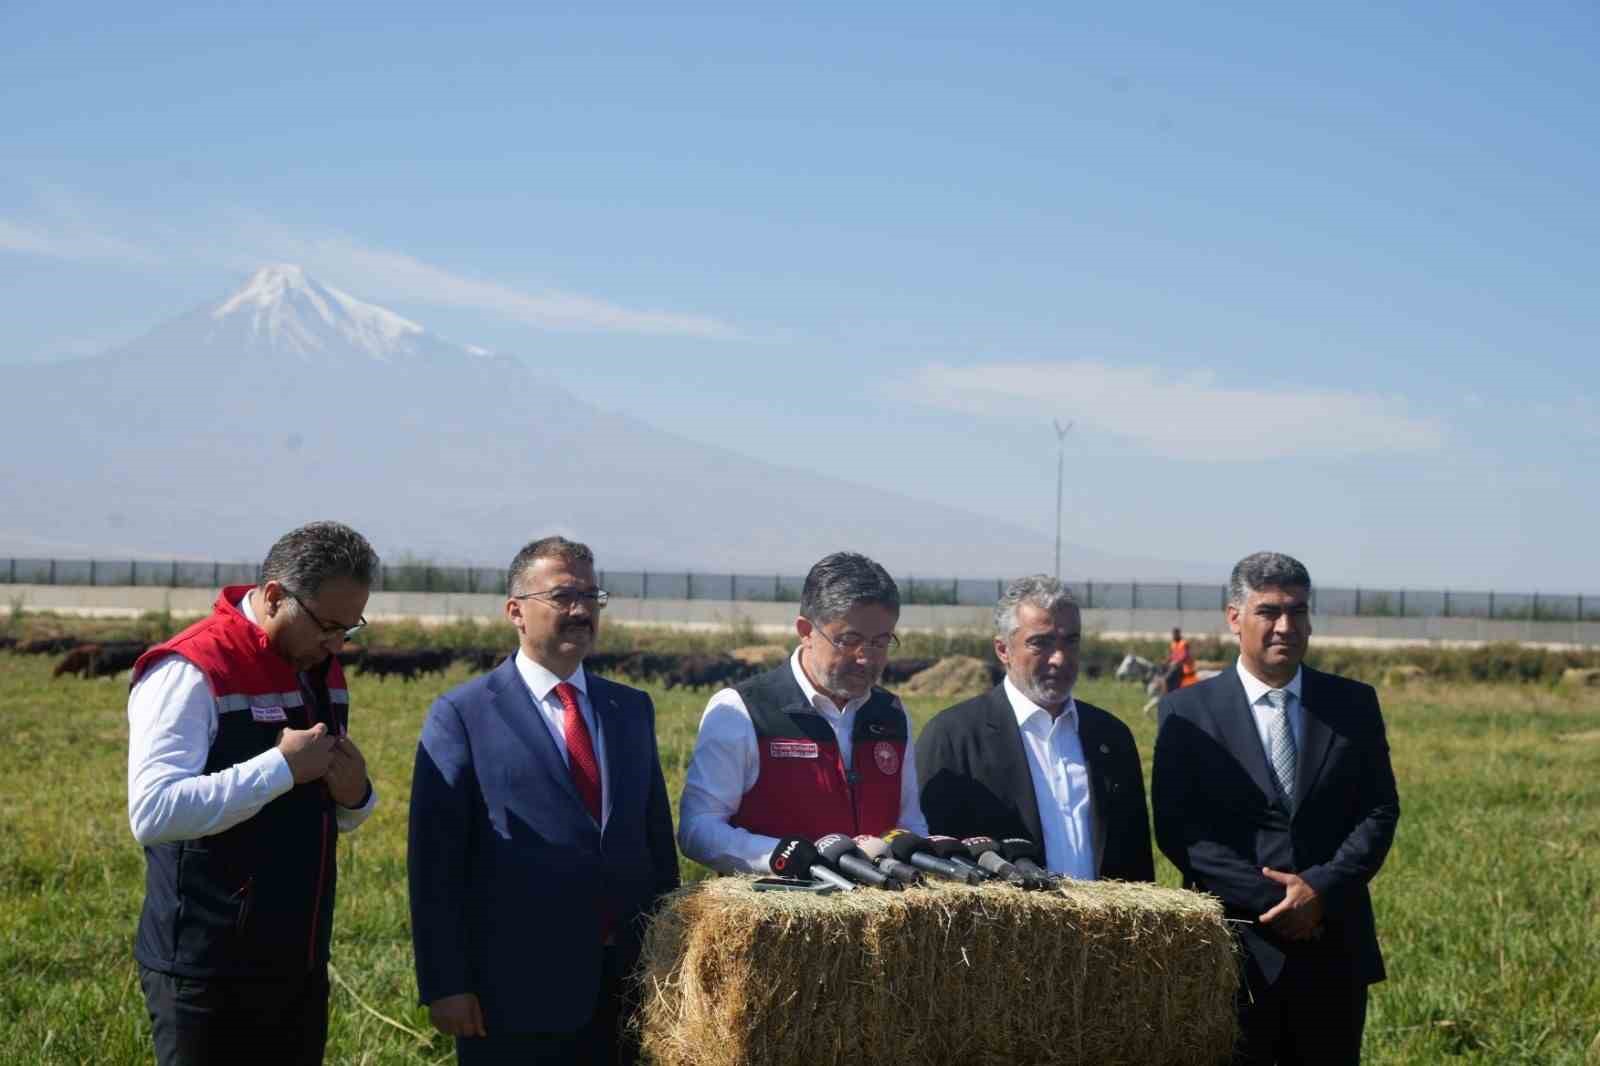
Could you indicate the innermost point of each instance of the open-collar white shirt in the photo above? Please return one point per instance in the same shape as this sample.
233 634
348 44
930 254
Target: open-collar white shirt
1060 776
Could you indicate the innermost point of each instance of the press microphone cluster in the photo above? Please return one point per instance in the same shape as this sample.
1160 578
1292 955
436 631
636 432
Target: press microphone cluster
842 855
797 857
900 858
986 852
918 851
1025 855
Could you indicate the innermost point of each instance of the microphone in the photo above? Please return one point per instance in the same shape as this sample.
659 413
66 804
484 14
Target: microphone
877 849
986 852
794 857
908 847
839 852
1025 855
952 850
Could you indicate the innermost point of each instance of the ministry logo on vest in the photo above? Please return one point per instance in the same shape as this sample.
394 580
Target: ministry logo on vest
887 758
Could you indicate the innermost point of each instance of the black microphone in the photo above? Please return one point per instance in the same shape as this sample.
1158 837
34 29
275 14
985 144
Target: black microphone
795 857
839 852
910 848
1025 855
985 851
952 850
877 849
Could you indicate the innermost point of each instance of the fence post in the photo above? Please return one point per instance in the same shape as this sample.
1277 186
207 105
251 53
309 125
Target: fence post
644 584
52 571
688 584
1535 616
733 589
1580 608
777 587
13 578
1491 603
1133 596
1088 593
1180 595
91 572
1402 603
1358 601
955 590
1447 613
174 583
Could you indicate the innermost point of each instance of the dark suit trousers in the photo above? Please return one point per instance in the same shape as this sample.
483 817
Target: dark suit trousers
236 1022
601 1042
1309 1017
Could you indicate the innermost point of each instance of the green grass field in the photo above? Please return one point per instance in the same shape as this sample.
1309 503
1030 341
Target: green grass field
1489 907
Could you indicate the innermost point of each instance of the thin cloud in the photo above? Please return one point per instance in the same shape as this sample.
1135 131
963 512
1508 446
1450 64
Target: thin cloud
73 242
1197 416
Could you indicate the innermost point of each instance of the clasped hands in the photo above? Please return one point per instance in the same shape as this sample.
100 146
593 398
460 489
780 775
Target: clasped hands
1298 916
315 754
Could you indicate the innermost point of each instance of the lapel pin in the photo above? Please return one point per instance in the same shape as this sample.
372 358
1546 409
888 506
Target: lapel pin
1104 750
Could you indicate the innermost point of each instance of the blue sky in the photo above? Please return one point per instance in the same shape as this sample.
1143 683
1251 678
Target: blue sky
1312 279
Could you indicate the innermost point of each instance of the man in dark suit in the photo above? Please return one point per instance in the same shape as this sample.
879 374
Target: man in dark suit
1273 791
540 835
1028 760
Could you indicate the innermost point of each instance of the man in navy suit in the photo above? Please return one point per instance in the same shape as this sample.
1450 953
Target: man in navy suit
1272 790
541 835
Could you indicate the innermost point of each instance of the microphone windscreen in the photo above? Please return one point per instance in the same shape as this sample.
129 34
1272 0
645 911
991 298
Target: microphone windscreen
977 846
1014 848
903 844
947 847
872 847
793 857
836 846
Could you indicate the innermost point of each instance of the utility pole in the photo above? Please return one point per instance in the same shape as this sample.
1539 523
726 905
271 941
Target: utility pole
1061 460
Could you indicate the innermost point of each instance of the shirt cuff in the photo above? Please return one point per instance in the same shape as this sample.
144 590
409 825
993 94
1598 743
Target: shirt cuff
269 772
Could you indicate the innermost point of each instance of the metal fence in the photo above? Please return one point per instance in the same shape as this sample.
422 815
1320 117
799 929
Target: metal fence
785 588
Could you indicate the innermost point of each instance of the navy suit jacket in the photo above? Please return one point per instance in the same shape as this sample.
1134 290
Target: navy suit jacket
976 782
1220 819
506 866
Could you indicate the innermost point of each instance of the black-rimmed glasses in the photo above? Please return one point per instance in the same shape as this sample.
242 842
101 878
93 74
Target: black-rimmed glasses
565 599
329 629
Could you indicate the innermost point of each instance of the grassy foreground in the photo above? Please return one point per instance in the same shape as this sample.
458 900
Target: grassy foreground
1488 909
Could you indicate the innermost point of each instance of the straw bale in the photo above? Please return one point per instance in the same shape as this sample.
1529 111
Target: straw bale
760 654
956 675
1404 674
1580 677
1094 972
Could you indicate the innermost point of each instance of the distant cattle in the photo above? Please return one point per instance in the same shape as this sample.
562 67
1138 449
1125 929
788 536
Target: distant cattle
647 665
696 671
49 645
899 671
482 660
605 662
7 643
405 662
100 660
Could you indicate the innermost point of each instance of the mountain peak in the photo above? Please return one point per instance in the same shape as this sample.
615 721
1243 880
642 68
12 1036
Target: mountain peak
291 311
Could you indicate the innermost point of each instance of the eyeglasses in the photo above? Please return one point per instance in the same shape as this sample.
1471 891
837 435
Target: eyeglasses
565 599
329 629
852 641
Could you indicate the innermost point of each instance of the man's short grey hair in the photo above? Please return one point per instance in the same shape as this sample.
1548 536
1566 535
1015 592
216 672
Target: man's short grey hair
842 581
1037 590
568 551
304 558
1266 570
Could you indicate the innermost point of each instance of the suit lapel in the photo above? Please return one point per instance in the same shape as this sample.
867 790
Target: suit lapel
1003 745
1238 727
515 704
603 698
1315 734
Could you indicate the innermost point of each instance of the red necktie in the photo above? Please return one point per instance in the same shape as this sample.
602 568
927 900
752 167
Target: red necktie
581 762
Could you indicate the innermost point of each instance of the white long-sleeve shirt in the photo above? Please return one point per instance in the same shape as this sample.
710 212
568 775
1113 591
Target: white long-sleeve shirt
172 723
1060 776
727 762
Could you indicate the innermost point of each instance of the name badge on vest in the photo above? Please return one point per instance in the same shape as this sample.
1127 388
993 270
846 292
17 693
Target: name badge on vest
793 749
268 714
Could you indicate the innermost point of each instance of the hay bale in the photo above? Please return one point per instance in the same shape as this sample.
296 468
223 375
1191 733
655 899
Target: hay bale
1095 972
760 654
1404 674
1580 677
958 675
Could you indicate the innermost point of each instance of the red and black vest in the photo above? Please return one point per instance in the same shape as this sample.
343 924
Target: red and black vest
255 900
803 788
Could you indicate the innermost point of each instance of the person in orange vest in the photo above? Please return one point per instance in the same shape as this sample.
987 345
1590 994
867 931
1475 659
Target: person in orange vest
1180 662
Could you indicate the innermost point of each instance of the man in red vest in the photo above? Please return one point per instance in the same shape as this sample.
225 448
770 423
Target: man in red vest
241 775
811 747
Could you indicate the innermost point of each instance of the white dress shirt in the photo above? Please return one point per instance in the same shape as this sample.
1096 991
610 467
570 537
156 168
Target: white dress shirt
542 687
1060 785
172 723
1255 691
727 761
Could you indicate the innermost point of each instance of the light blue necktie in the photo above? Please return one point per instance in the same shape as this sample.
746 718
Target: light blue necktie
1280 742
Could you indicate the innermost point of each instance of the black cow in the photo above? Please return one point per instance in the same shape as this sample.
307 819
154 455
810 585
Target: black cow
101 660
406 662
695 671
482 660
49 645
899 671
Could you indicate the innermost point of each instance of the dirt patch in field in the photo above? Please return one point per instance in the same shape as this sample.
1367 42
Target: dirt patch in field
959 675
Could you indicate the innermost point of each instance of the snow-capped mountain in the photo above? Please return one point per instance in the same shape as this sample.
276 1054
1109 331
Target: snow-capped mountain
290 400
